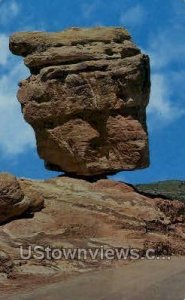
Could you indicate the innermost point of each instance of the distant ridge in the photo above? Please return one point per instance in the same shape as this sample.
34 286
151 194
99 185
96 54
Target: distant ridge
169 189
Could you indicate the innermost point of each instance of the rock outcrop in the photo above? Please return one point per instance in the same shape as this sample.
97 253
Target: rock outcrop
13 201
86 99
80 214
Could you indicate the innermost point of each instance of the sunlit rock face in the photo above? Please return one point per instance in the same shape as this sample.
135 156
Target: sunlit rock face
78 214
86 99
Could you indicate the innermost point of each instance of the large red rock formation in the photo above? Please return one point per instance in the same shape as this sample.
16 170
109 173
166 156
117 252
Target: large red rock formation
86 98
80 214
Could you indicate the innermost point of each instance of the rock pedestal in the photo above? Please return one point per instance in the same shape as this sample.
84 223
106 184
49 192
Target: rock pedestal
86 99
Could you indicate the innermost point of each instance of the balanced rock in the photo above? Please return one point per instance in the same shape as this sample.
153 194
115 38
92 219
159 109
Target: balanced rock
86 99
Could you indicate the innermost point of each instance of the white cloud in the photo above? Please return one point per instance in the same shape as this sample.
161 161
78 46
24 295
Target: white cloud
166 48
4 49
9 9
15 135
160 106
133 16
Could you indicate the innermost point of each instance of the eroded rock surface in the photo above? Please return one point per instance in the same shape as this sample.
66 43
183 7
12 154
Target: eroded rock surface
80 214
86 99
13 201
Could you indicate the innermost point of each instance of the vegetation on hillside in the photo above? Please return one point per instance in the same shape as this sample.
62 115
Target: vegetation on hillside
171 189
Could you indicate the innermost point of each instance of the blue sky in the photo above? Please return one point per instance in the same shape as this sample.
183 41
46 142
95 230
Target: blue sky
158 27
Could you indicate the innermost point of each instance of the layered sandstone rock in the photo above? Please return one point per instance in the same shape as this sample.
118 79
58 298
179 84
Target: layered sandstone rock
80 214
86 98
